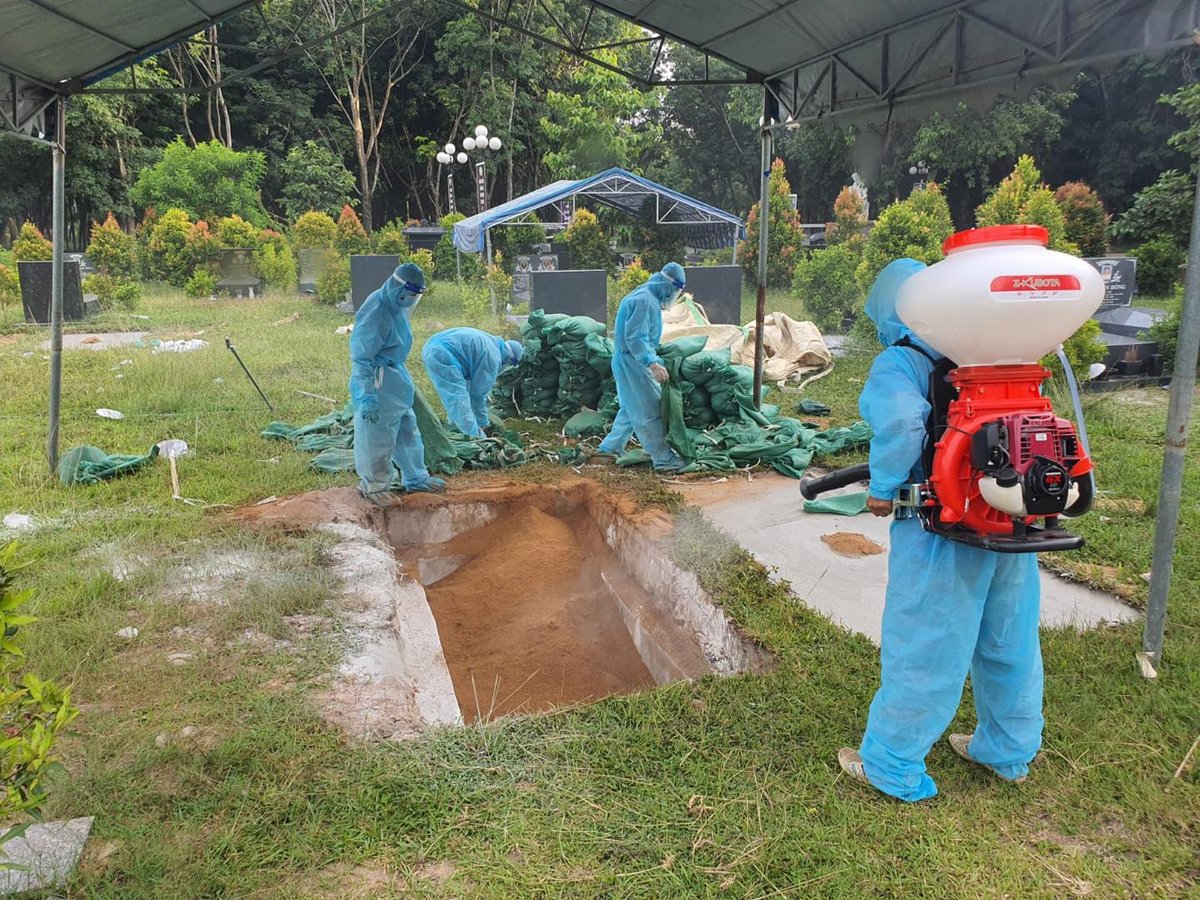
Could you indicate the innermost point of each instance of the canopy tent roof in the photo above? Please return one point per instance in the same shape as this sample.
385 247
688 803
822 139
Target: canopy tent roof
702 225
50 47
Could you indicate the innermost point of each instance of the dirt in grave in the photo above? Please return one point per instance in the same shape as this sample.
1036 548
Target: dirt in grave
528 622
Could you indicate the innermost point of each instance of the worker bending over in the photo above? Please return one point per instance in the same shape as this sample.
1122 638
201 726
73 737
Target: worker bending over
463 364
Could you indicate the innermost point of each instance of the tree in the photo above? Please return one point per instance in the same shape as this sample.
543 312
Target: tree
314 179
1084 217
31 245
849 220
784 233
1164 209
362 67
197 63
966 151
598 121
1023 199
208 181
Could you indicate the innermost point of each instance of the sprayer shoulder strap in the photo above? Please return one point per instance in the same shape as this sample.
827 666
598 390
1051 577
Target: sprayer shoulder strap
941 393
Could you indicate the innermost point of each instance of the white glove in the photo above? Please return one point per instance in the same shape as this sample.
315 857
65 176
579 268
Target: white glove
660 374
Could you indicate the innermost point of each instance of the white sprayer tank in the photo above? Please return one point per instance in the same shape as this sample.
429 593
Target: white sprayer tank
1000 297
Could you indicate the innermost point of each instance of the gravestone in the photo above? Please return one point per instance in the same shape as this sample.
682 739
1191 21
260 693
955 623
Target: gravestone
85 265
579 292
563 252
526 265
719 290
237 273
423 237
35 291
1129 321
314 262
1120 280
367 274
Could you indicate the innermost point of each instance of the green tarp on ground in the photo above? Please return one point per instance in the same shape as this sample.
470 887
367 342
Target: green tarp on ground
91 465
447 452
841 505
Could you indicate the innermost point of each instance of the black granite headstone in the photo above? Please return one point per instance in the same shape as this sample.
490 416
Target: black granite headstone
580 292
563 252
719 290
423 237
35 291
1120 280
1129 321
526 265
368 273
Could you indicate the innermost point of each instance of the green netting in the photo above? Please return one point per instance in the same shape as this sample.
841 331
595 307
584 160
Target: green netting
91 465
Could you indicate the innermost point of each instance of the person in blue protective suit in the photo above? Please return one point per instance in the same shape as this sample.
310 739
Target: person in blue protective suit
950 609
639 371
463 364
382 391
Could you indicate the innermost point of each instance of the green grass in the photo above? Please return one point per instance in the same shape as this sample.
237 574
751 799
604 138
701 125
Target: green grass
723 787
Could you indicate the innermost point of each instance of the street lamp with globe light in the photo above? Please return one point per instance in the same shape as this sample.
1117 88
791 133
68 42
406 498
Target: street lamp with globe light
920 170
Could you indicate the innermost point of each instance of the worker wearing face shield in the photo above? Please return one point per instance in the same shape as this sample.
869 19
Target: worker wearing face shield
463 364
639 371
385 428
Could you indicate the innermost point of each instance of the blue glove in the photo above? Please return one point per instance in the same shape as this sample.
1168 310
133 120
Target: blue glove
425 484
368 407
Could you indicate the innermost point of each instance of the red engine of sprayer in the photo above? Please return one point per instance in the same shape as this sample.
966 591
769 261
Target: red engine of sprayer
1005 460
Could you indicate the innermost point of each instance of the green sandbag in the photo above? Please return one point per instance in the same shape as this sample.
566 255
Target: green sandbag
813 408
91 465
635 457
587 423
835 440
841 505
683 347
700 367
672 410
574 328
794 463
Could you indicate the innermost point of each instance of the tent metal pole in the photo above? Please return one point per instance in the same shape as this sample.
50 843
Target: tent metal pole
59 153
1179 416
764 209
735 244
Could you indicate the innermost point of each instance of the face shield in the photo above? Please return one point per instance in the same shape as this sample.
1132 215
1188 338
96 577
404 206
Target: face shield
412 294
677 293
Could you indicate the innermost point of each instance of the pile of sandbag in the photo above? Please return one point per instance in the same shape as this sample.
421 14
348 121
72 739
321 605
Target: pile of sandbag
567 366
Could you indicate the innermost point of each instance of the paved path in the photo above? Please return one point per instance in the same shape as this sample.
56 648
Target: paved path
767 517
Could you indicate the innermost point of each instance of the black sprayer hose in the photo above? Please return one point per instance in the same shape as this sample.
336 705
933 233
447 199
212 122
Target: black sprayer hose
811 487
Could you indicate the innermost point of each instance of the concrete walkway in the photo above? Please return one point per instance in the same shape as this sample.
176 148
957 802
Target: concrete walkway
103 340
766 516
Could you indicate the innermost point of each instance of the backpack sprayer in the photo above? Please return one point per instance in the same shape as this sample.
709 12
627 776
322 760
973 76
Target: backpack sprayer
1001 466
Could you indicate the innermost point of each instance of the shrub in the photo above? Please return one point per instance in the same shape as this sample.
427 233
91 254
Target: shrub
784 233
203 247
825 281
916 227
168 255
1165 332
444 258
390 239
33 712
10 286
350 238
313 177
587 242
142 233
424 259
31 245
1022 198
1084 217
314 231
848 220
632 277
201 284
112 291
276 265
1158 263
334 283
515 240
235 233
111 250
1083 348
659 246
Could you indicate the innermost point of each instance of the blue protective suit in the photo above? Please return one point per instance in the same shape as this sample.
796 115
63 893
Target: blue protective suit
463 364
636 337
950 609
385 428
